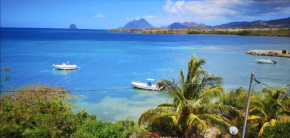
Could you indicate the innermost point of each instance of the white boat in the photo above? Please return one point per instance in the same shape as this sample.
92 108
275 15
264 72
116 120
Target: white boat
145 86
266 61
65 66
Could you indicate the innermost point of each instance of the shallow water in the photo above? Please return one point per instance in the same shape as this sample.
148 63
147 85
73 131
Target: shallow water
110 61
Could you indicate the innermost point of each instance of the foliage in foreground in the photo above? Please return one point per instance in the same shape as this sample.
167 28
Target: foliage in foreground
192 110
41 111
267 108
280 130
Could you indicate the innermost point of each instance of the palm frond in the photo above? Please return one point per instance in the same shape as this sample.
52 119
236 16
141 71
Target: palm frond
216 121
166 105
182 78
208 94
155 113
257 104
215 109
171 88
194 121
284 113
272 122
258 112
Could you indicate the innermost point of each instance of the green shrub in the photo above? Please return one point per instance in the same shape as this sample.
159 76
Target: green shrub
280 130
193 32
41 111
244 32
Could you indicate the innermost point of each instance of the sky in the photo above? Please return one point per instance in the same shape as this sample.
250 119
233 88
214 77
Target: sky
109 14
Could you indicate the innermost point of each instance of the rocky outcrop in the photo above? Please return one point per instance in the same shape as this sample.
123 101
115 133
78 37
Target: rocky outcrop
73 26
273 53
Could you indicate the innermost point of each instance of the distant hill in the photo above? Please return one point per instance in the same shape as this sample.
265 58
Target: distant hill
178 25
137 24
279 23
73 26
232 24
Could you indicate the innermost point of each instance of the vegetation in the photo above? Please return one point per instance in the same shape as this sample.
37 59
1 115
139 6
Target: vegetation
280 130
41 111
7 78
192 110
267 107
199 103
277 32
193 32
271 107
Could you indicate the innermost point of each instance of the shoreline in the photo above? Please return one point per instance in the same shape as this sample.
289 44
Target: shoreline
271 32
272 53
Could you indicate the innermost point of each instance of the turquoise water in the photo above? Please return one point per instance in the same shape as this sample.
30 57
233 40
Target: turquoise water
110 61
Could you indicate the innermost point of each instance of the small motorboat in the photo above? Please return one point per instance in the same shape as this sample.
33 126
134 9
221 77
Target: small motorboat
145 86
266 61
65 66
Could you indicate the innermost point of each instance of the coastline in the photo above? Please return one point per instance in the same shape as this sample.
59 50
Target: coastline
272 32
273 53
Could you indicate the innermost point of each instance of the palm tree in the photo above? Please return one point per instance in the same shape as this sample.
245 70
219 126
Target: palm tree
273 106
192 109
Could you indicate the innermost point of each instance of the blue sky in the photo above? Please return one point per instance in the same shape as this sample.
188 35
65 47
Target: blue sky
107 14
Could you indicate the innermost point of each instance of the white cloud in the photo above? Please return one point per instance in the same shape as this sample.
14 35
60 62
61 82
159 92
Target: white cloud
99 16
149 17
204 9
215 11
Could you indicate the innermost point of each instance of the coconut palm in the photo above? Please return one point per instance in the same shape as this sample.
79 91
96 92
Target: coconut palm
192 110
273 106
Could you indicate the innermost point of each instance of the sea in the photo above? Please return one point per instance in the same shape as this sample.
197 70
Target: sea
109 61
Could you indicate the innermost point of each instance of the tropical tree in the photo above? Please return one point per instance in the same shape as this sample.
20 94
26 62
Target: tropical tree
272 107
238 99
192 110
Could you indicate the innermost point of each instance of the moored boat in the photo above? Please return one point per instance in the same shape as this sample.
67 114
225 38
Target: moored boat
65 66
145 86
266 61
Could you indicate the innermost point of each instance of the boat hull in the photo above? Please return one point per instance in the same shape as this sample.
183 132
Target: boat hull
66 67
144 86
265 62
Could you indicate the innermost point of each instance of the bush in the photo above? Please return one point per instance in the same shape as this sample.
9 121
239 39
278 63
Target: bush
41 111
193 32
244 32
280 130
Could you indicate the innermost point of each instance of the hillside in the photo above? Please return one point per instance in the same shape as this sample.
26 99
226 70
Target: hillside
137 24
279 23
184 25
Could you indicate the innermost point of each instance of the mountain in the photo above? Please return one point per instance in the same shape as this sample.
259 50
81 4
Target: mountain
279 23
73 26
137 24
193 24
178 25
232 24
